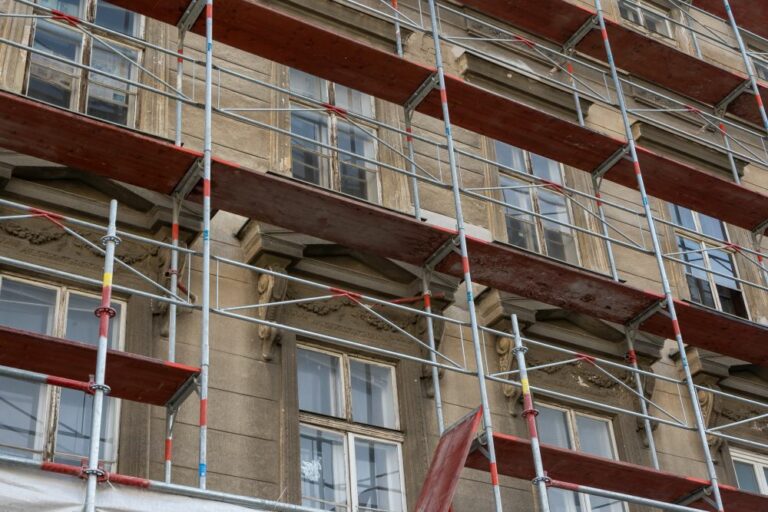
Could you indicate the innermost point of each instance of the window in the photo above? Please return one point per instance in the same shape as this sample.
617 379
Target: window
538 234
760 60
710 270
348 172
350 449
751 471
43 422
583 432
645 15
68 86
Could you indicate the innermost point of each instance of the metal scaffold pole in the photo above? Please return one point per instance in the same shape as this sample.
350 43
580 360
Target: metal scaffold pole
104 312
747 63
206 277
631 333
462 237
669 299
173 271
529 413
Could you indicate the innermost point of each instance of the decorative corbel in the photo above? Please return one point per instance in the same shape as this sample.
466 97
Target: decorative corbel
271 289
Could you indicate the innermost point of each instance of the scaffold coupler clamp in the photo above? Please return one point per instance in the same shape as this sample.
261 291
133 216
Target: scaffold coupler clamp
101 474
110 238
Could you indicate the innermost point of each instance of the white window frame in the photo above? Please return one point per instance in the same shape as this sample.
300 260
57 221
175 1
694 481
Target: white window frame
526 176
758 461
350 430
83 80
698 237
575 441
331 177
641 8
46 434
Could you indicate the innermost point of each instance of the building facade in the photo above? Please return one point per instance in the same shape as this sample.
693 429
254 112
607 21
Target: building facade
317 395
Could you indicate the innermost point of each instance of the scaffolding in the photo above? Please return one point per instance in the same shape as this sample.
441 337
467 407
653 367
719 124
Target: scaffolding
199 176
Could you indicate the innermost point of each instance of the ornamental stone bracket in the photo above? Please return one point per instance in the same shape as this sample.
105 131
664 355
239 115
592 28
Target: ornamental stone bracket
270 289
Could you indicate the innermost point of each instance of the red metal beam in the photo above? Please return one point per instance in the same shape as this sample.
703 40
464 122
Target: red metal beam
264 30
514 459
130 376
304 208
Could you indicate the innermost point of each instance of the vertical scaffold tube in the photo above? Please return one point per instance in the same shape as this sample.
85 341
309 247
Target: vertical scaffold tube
179 85
206 284
104 312
529 413
632 359
670 304
462 235
747 63
173 270
431 336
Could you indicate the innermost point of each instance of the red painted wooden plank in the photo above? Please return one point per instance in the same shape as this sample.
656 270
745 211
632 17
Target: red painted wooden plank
711 330
63 137
448 460
661 63
130 376
514 459
750 14
304 208
263 30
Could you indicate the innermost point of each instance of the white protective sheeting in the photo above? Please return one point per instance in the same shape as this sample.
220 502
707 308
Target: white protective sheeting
30 490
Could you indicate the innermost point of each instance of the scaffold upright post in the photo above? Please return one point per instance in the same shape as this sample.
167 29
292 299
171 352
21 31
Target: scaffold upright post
425 283
173 271
179 85
462 236
529 413
206 274
701 428
748 67
99 387
631 334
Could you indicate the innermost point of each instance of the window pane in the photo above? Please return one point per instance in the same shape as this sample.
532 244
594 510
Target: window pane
320 387
378 476
510 156
722 263
373 394
110 98
75 408
72 7
49 80
559 239
115 18
323 469
595 439
692 253
521 229
308 163
553 427
546 169
629 12
712 227
682 216
354 101
31 308
656 23
357 176
746 477
305 84
594 436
